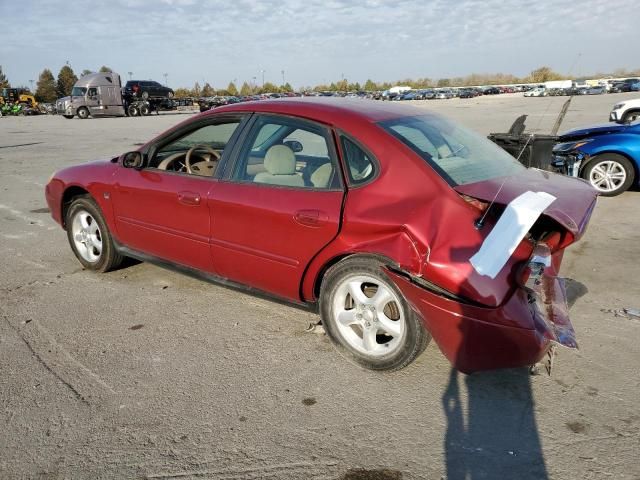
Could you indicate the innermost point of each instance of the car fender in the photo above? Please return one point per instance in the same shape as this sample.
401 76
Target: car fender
626 145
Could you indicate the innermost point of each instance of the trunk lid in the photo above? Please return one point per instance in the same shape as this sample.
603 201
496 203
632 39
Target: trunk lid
575 198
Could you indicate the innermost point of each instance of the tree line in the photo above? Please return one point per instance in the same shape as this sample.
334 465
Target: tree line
49 88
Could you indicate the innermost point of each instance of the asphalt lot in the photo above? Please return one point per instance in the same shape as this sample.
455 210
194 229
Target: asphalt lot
147 373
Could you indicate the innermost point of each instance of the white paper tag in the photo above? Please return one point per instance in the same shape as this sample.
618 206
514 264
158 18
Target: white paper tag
519 216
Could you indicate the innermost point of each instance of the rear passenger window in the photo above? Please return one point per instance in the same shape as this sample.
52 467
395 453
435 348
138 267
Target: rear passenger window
361 167
287 152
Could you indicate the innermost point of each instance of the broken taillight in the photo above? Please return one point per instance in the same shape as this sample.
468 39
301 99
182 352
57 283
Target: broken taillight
530 275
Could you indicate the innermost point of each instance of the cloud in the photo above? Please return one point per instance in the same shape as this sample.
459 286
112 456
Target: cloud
218 41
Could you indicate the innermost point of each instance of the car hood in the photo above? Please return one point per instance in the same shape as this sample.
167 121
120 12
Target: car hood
575 198
593 130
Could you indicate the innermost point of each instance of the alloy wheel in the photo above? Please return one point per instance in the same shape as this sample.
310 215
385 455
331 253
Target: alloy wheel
86 236
369 315
607 176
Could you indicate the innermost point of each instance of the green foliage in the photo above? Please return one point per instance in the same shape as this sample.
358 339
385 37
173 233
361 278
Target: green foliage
286 88
4 81
444 82
207 90
232 89
105 69
66 79
245 89
46 87
195 92
86 71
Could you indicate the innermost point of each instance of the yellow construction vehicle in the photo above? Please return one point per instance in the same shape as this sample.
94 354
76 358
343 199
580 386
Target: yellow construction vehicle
18 95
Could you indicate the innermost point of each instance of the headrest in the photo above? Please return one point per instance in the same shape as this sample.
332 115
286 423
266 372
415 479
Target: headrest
280 160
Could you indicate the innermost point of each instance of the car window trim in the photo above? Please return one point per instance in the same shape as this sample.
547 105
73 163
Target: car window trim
327 133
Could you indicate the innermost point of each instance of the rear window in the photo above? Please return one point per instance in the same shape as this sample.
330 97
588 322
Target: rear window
459 155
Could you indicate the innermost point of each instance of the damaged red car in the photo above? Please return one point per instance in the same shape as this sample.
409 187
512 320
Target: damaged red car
397 224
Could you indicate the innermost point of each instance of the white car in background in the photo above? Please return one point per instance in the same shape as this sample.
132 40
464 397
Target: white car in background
626 111
536 92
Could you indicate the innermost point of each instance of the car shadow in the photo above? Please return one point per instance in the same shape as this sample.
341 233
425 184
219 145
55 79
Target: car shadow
491 427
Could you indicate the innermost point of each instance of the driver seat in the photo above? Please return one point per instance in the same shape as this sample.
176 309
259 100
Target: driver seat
280 163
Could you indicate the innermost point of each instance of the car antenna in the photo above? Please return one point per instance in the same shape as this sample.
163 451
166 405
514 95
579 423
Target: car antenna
479 223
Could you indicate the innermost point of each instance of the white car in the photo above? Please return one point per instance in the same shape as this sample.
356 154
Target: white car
625 112
536 92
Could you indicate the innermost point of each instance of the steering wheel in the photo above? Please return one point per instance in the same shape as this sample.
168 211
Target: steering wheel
187 159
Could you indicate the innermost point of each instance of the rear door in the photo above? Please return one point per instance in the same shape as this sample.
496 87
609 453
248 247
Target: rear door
279 205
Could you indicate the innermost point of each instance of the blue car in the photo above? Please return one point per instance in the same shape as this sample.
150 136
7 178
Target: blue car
607 156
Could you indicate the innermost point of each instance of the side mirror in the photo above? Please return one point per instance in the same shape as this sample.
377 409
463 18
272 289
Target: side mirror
133 160
294 145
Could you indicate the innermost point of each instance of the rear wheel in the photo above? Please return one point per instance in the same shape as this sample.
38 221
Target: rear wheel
367 317
609 173
83 113
145 95
145 110
89 236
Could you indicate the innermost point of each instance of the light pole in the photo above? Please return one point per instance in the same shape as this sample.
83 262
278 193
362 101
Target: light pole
282 72
262 78
130 75
165 75
254 83
31 82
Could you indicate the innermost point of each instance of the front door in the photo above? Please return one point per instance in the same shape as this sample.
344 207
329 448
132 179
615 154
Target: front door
278 207
162 209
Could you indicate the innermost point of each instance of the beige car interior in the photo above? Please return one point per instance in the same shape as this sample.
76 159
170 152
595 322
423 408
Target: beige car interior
280 163
203 163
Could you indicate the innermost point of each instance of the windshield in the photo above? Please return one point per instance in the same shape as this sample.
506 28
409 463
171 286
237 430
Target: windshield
459 155
78 91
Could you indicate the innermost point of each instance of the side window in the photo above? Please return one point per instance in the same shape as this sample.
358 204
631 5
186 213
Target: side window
359 165
196 153
92 92
287 152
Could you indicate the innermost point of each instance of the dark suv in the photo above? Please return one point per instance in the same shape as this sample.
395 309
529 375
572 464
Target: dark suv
146 89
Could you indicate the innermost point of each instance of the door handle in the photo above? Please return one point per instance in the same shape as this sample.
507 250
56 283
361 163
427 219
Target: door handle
311 218
189 198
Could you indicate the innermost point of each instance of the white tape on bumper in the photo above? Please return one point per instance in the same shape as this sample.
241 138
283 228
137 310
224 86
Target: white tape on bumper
519 216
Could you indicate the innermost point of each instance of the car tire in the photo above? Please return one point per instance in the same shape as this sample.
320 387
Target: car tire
83 113
631 116
367 317
89 236
145 110
609 173
133 110
145 95
68 117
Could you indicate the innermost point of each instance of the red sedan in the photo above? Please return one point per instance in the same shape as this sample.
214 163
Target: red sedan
396 224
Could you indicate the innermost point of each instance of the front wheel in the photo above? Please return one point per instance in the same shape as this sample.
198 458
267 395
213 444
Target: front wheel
68 117
367 317
631 117
609 173
89 236
83 113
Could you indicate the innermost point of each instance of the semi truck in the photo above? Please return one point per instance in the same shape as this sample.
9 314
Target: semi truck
100 95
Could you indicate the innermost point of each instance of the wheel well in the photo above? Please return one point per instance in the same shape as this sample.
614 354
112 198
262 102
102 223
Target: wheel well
69 194
634 165
631 110
337 259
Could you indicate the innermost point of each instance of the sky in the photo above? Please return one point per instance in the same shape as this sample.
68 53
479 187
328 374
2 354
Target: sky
315 41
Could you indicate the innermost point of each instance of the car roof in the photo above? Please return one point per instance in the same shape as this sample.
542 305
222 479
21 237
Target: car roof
329 110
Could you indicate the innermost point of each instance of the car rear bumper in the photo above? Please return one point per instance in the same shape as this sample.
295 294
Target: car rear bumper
517 334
